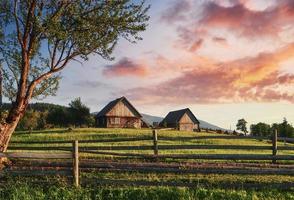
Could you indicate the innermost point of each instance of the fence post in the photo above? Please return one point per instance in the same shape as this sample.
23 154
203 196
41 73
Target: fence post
76 163
155 142
275 145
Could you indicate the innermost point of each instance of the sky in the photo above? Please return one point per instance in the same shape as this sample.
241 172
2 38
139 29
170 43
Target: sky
224 59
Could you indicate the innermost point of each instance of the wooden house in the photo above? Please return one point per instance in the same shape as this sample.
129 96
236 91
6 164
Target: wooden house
181 120
119 113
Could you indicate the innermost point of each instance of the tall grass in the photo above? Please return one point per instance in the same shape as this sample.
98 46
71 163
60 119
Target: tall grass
23 189
26 191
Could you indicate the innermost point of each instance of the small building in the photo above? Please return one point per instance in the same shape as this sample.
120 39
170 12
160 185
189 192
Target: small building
181 120
119 113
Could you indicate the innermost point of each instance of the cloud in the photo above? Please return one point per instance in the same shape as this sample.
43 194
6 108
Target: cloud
249 79
176 12
220 40
92 84
125 67
198 21
242 20
196 45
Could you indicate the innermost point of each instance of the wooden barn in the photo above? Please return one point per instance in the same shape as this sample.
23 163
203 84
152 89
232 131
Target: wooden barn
119 113
181 120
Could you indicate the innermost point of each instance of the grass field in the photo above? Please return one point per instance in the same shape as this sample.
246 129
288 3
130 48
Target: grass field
209 186
96 134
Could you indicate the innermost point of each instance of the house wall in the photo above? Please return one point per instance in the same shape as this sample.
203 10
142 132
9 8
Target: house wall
123 122
186 124
118 122
186 119
120 110
186 127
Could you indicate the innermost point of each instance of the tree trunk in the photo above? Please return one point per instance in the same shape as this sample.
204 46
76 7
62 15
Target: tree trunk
6 131
10 123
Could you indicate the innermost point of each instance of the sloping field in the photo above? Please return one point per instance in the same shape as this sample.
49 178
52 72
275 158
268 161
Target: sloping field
104 170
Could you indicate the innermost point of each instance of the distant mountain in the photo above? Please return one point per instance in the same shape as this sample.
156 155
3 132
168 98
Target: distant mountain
150 119
203 124
206 125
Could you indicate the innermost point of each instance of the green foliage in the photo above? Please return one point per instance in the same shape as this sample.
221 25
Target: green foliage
26 191
36 48
284 129
58 116
79 112
29 120
261 129
241 126
42 116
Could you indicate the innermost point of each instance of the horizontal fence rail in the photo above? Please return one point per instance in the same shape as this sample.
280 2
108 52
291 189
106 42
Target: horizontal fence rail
163 138
160 147
36 155
85 141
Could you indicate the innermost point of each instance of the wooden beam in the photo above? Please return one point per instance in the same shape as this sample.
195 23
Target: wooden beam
76 163
200 156
274 145
36 155
155 143
151 147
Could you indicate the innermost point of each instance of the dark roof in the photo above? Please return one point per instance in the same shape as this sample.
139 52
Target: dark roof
175 116
111 104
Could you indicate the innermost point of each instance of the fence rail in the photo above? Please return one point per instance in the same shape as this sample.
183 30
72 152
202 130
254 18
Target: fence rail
72 153
159 147
151 138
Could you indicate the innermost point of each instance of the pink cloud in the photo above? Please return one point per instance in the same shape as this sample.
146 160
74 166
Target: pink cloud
235 17
125 67
249 79
196 45
176 12
242 20
220 40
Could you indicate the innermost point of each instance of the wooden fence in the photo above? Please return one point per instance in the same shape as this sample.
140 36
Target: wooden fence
77 147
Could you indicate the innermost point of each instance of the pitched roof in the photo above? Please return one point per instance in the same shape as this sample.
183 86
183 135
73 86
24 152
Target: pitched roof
175 116
111 104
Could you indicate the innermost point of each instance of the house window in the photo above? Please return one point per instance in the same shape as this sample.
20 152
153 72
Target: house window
115 120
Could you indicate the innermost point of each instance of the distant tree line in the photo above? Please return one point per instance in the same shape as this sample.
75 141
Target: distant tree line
262 129
46 115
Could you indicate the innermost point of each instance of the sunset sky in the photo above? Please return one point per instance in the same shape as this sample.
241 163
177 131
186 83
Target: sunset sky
224 59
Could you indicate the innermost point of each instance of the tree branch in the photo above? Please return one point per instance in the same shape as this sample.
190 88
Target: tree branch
17 24
28 24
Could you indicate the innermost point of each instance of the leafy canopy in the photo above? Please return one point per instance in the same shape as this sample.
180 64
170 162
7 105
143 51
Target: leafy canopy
47 35
241 125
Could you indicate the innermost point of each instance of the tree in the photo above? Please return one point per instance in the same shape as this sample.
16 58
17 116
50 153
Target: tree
58 116
284 129
79 112
29 121
38 39
261 129
241 126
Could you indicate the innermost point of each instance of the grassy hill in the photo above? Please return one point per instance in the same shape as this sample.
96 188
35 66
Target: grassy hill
209 186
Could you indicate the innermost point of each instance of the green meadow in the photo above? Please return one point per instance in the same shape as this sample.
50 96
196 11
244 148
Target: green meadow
208 186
